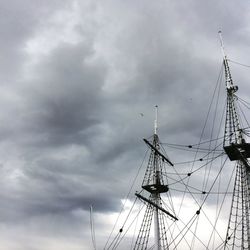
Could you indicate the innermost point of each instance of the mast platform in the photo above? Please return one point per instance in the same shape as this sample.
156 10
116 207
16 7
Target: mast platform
156 188
237 151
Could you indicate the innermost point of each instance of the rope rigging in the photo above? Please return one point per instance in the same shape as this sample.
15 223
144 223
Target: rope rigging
126 199
196 185
241 64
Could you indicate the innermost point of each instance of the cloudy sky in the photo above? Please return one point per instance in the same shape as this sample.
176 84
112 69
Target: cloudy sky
75 76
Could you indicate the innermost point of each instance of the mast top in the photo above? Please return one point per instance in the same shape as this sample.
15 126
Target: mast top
231 88
222 45
156 120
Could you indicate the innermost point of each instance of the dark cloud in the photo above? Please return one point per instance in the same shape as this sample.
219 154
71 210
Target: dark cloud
68 97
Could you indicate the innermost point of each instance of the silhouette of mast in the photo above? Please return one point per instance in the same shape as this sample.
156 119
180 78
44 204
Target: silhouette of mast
153 183
237 149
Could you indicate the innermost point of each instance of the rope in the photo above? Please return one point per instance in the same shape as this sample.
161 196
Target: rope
191 145
244 115
126 199
201 136
220 209
200 207
118 240
241 64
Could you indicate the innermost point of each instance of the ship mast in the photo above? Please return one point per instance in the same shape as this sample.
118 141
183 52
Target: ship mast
153 183
236 148
156 196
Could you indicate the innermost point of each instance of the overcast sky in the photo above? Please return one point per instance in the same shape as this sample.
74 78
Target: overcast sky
75 77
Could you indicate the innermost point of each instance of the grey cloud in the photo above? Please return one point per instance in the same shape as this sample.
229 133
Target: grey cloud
66 99
19 21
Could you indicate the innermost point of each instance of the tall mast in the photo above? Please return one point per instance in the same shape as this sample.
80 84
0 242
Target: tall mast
156 196
153 183
235 146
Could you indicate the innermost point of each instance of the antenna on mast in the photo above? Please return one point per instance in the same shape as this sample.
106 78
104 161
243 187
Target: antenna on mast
156 119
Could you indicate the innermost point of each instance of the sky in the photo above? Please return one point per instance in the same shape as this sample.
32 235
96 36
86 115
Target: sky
75 79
